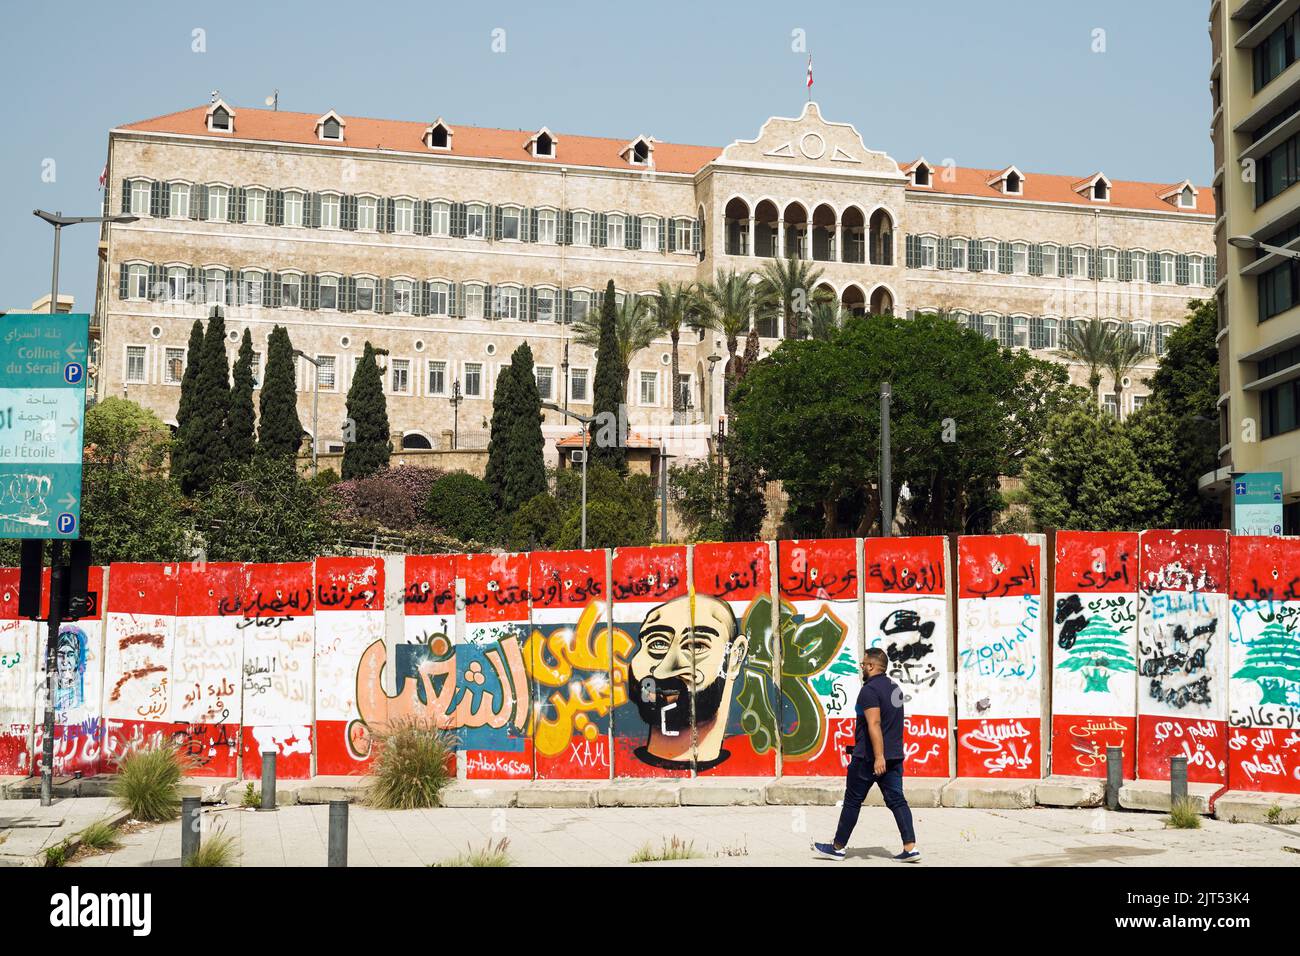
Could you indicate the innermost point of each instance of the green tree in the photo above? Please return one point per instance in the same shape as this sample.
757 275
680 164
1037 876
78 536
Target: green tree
279 430
621 509
265 512
698 491
131 509
241 422
202 441
536 525
1097 651
1089 343
498 450
1273 662
609 390
790 286
1127 350
367 410
193 360
526 472
725 305
673 307
461 505
1087 476
635 327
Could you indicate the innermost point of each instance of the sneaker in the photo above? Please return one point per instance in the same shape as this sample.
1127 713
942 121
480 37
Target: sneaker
909 856
828 851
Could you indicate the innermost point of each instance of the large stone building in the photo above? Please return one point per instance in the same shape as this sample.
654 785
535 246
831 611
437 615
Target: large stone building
1255 90
448 245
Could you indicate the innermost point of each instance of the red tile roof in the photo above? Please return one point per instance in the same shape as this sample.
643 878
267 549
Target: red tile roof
279 126
1045 187
633 440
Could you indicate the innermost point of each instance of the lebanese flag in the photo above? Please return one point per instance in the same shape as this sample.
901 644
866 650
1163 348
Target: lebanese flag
103 177
810 71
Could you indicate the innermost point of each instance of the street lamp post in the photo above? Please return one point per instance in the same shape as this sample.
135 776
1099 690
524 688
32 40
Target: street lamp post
57 582
586 421
315 409
1250 242
456 399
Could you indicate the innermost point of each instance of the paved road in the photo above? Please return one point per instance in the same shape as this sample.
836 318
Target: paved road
767 835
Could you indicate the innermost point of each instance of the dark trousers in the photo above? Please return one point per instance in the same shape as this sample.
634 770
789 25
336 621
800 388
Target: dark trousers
860 777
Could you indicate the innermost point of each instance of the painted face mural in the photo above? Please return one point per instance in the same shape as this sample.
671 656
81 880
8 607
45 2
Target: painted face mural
70 668
683 650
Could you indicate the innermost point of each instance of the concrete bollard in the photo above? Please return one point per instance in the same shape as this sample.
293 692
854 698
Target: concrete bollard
1177 779
268 780
1114 776
191 807
338 839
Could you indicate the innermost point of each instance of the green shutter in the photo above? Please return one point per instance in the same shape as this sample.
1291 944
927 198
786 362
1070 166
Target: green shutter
1125 265
1067 252
1211 270
975 256
634 236
1092 263
1035 259
126 196
123 280
1004 257
697 234
943 258
911 251
672 235
1181 269
1153 268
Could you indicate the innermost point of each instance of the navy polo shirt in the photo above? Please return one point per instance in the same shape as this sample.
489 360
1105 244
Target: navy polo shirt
880 692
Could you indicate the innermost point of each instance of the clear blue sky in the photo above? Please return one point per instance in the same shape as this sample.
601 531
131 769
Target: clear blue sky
986 83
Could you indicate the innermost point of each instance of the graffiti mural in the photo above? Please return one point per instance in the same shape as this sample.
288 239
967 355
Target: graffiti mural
275 612
491 679
139 636
821 661
570 656
1001 656
1264 664
350 604
721 638
651 726
1094 652
906 607
18 670
1182 653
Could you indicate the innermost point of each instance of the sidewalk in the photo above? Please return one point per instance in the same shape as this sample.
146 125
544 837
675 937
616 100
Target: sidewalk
728 836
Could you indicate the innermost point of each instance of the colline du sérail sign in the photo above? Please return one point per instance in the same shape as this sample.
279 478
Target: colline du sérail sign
42 404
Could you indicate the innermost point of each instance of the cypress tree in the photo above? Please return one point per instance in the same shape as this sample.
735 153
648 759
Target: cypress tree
279 432
525 476
204 450
241 439
370 448
192 360
605 443
499 435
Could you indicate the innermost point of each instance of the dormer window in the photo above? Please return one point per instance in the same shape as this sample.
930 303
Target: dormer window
1095 188
1181 195
438 136
1012 184
1009 182
1100 191
640 152
1187 198
330 127
221 118
922 174
543 144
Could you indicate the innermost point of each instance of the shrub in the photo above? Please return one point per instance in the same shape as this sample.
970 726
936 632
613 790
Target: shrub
1183 815
536 525
410 766
393 498
494 854
100 835
461 505
251 797
148 783
57 855
217 849
674 849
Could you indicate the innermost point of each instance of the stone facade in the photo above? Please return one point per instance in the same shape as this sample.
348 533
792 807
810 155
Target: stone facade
811 185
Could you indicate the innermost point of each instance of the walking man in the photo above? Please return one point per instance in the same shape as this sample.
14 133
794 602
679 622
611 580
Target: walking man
877 758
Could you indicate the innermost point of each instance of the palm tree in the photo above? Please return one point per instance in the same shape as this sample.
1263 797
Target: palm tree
1089 343
825 319
725 305
673 306
791 286
1127 351
634 330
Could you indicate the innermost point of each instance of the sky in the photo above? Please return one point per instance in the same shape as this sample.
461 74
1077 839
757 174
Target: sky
1052 86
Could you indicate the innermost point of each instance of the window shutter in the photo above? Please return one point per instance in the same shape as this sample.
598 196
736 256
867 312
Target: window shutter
672 235
532 304
458 220
126 196
634 233
1092 263
157 283
1004 257
564 227
347 293
1153 268
1180 269
1067 260
1035 259
155 199
495 219
193 284
310 292
1124 267
198 201
974 255
1211 270
944 258
271 291
275 208
664 226
123 280
348 213
230 287
599 230
531 219
697 235
567 311
910 243
1035 332
423 217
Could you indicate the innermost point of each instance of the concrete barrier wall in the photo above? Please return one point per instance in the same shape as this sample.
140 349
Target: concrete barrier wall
1094 651
735 659
1183 654
1264 664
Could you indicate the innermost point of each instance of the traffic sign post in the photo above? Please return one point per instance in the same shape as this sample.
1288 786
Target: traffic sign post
42 407
1257 503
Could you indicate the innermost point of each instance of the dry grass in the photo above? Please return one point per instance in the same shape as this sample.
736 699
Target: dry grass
1183 815
672 849
494 854
410 768
148 783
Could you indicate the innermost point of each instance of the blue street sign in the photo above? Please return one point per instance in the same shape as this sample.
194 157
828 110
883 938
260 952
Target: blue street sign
1257 503
42 407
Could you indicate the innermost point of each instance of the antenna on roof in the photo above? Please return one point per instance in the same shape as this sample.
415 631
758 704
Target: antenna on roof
273 100
215 95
